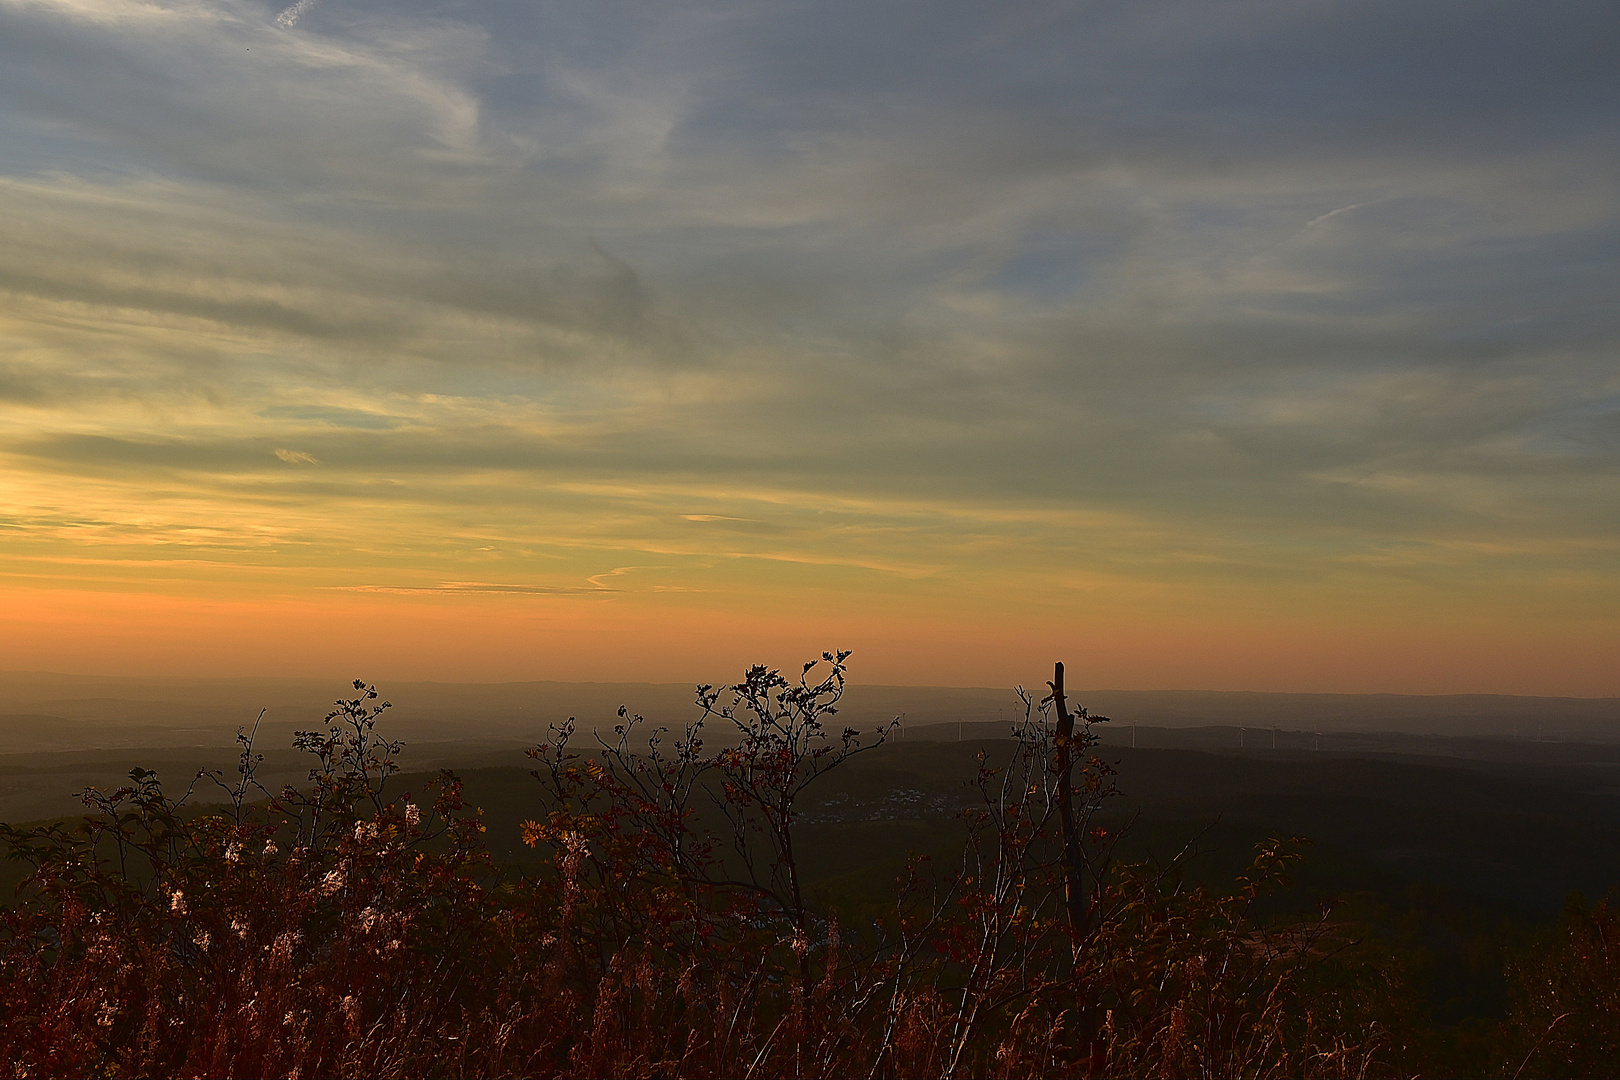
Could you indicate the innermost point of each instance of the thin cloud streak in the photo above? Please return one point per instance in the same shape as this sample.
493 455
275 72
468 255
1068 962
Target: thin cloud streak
462 588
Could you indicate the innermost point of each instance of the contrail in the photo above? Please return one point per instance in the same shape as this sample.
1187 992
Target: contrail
291 16
1308 224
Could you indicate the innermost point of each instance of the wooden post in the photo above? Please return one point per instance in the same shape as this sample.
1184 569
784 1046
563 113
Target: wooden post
1074 895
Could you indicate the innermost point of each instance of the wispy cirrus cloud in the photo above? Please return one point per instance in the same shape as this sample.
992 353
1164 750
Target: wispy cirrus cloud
522 280
472 588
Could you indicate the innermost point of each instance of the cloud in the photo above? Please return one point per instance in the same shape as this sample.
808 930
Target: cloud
222 95
597 582
527 278
472 587
289 18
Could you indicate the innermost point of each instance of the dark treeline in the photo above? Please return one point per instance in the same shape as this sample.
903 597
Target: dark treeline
346 927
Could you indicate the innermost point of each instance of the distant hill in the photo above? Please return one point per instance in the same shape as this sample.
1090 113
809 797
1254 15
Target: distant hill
48 712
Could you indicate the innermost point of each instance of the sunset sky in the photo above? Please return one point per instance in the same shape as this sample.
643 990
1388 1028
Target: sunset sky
1209 345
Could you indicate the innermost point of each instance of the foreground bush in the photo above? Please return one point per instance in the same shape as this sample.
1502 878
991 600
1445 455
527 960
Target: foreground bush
1564 1019
350 930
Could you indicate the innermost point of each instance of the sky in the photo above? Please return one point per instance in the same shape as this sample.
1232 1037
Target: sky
1209 345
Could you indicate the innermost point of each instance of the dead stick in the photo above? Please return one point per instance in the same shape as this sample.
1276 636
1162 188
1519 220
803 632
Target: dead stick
1073 885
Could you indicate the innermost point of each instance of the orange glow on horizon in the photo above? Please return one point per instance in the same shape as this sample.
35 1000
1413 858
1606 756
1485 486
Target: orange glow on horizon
384 637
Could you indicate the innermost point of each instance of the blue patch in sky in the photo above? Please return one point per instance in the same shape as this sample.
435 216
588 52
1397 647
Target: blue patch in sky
1049 269
334 416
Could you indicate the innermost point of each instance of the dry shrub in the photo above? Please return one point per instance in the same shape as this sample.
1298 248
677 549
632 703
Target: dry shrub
343 930
1564 1019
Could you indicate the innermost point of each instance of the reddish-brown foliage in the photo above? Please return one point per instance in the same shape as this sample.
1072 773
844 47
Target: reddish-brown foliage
344 930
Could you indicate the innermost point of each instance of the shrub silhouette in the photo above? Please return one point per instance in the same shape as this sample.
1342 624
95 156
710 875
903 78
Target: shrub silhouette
344 929
1564 1019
